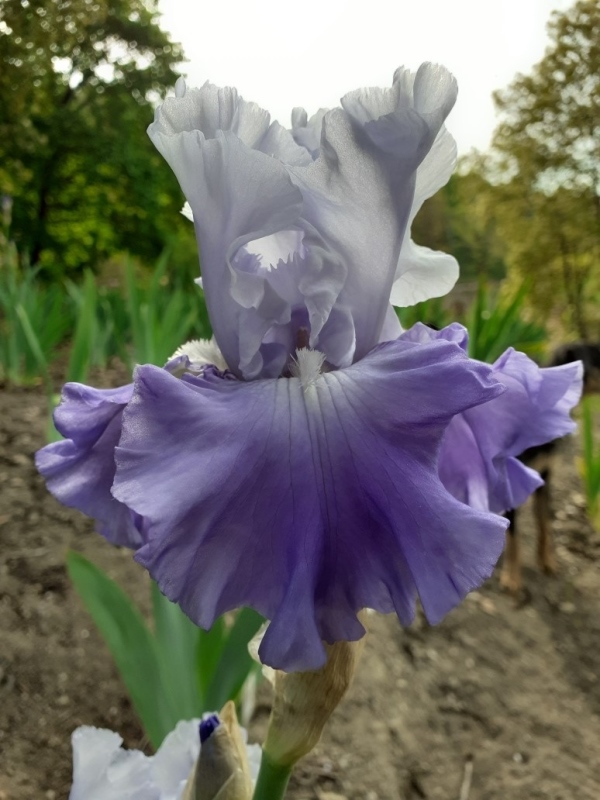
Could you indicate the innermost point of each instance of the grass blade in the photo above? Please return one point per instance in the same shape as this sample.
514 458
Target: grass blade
82 350
130 642
209 650
235 661
591 461
33 343
177 643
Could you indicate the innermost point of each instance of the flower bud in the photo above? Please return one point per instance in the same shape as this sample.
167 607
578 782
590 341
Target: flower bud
304 701
221 771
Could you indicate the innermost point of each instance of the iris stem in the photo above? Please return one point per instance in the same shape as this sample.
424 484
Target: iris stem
272 780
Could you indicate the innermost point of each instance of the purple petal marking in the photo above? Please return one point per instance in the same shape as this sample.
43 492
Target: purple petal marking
478 460
307 503
80 469
208 726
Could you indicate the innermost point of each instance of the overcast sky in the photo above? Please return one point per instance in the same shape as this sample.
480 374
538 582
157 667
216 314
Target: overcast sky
282 54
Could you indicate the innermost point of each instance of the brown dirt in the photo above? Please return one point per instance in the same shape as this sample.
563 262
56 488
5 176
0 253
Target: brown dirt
515 689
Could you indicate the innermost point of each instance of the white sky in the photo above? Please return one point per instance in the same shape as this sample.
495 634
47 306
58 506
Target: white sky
283 54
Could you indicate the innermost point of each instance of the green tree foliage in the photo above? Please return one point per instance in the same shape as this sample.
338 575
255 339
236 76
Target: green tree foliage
78 79
547 170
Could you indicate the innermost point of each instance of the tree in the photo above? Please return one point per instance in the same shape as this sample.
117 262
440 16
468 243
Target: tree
78 79
547 168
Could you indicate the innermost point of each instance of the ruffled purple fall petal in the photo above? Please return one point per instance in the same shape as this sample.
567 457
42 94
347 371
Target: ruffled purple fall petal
307 498
479 461
80 469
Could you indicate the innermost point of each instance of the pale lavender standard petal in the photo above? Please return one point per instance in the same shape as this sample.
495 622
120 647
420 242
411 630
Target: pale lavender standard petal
359 193
307 132
296 241
307 500
80 469
478 459
228 158
423 273
420 273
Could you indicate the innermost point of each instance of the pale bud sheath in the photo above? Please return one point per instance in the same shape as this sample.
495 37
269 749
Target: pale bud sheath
304 701
221 771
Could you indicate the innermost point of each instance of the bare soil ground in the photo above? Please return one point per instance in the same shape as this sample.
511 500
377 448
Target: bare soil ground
509 696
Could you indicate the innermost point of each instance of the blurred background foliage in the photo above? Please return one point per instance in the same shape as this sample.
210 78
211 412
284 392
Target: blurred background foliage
529 209
548 165
78 82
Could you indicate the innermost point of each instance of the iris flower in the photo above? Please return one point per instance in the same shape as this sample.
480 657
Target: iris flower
293 464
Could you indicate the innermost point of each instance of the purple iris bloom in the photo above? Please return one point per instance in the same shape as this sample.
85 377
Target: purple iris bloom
293 465
302 481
